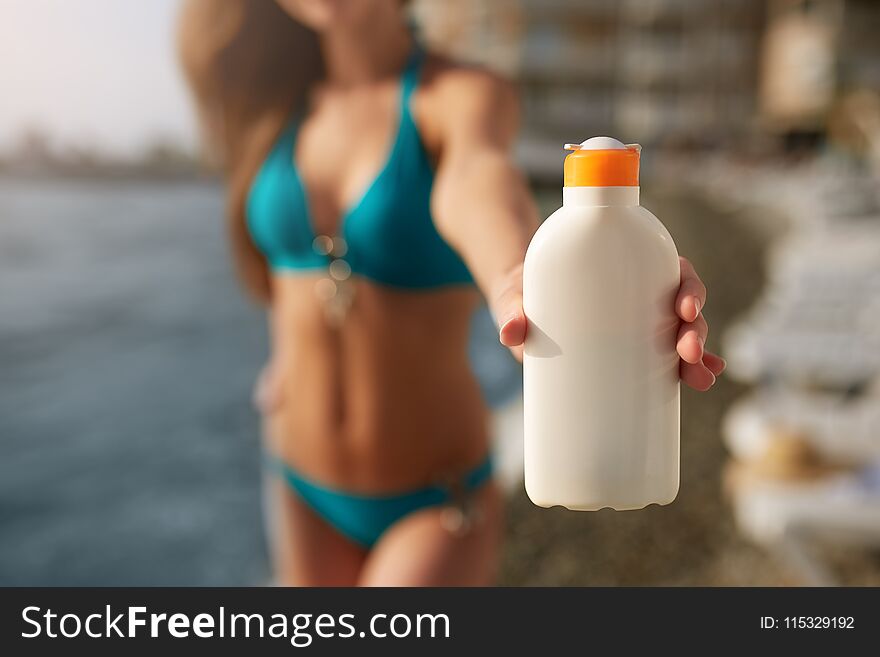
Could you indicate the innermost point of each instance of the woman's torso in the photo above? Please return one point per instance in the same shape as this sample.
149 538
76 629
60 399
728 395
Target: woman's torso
375 393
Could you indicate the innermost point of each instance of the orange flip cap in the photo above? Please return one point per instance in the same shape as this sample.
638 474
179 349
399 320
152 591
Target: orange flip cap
613 167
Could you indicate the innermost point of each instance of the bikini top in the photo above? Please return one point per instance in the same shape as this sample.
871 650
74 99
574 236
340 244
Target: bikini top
388 236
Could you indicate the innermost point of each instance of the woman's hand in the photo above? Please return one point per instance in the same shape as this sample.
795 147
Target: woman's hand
698 367
483 208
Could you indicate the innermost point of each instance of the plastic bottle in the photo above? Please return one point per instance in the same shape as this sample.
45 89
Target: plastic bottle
601 380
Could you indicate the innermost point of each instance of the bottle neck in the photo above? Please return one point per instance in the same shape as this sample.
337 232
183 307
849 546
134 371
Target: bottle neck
600 196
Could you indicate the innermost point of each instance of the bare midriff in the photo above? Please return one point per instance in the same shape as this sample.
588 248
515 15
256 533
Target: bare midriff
386 400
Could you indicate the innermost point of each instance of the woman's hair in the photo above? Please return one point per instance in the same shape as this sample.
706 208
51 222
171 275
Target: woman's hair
248 64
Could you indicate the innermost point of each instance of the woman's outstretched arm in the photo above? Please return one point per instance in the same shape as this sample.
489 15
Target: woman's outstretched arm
482 204
483 207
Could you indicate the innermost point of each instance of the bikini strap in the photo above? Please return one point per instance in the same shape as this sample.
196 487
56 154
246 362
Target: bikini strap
411 74
409 81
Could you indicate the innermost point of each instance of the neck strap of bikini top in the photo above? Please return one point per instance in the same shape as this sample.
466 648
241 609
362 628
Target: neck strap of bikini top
412 71
409 80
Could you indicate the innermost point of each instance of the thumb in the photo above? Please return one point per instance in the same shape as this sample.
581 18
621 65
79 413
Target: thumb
508 310
512 329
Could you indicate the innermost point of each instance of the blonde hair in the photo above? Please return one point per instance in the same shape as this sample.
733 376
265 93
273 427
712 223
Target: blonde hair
248 64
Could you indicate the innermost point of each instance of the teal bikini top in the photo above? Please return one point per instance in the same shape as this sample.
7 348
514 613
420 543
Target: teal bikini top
388 236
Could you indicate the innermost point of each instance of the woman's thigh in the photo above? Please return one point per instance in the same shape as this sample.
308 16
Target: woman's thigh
304 549
420 551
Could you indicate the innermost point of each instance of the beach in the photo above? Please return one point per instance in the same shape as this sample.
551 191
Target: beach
130 450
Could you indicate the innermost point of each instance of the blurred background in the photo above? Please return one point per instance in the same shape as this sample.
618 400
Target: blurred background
129 451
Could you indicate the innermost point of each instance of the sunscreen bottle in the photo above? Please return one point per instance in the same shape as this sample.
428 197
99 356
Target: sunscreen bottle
601 377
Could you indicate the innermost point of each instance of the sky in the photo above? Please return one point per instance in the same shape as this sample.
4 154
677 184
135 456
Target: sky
101 74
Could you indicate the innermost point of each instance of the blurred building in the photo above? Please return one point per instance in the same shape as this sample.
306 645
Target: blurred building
815 53
656 71
489 32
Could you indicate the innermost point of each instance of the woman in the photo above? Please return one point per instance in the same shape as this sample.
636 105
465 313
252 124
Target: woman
373 198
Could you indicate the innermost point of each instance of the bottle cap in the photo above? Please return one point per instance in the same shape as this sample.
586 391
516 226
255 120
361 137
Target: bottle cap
602 162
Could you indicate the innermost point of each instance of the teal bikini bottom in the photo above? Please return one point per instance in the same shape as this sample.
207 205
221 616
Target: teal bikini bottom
364 518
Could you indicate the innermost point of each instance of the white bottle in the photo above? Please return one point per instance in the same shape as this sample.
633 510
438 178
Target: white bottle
601 380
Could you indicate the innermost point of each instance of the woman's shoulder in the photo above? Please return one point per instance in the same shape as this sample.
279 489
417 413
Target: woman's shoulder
457 96
453 81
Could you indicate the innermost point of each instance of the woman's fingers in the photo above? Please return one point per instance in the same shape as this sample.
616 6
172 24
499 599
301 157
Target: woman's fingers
508 311
698 367
691 340
691 297
716 364
696 375
513 331
702 375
